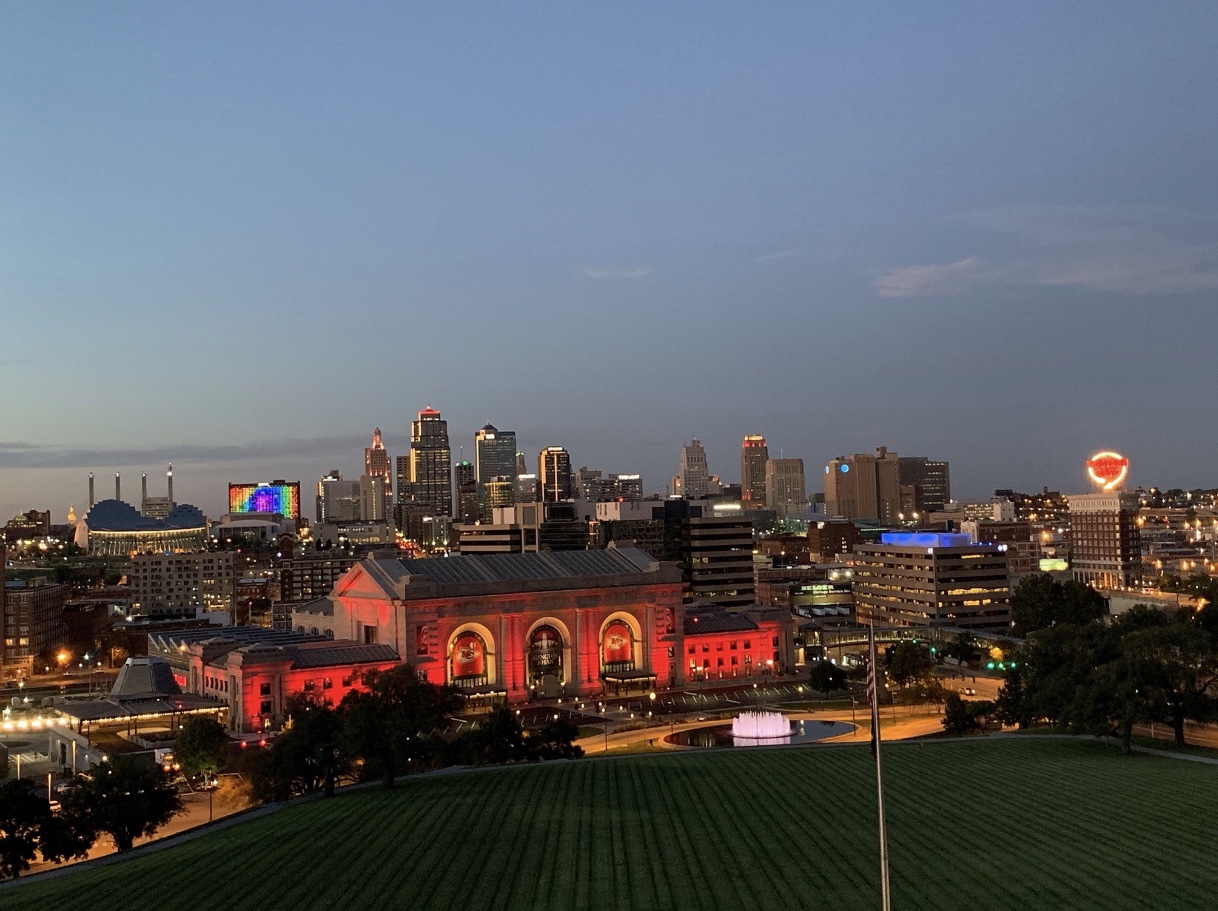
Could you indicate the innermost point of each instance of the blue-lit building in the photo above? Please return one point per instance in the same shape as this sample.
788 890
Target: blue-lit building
918 579
113 528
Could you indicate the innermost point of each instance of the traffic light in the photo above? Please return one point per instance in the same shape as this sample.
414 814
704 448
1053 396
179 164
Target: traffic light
989 665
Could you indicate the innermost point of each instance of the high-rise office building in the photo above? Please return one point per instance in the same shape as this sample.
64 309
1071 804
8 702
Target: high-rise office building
589 484
554 473
522 464
338 500
377 464
753 457
430 467
784 485
925 483
376 459
864 487
494 453
693 478
494 460
375 503
528 488
466 482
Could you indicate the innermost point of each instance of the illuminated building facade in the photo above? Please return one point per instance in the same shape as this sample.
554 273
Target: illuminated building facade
693 479
864 487
579 623
255 671
753 457
31 618
183 584
430 464
1105 541
784 486
554 474
930 578
925 484
113 528
495 462
280 497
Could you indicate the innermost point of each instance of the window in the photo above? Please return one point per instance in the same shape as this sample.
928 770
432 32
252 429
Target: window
346 681
732 646
264 689
309 686
693 649
748 644
720 664
266 708
327 684
672 652
705 647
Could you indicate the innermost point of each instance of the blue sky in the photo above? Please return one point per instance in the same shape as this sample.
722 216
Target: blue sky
239 237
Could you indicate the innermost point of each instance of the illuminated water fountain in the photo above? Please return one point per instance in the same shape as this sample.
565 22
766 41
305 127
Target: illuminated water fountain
761 727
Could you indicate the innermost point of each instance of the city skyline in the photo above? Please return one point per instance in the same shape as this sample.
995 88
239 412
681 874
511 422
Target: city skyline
989 231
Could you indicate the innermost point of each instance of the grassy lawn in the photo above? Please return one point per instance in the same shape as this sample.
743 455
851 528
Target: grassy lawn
1007 824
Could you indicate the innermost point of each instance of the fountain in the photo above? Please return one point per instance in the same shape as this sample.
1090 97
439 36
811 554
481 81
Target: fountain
761 728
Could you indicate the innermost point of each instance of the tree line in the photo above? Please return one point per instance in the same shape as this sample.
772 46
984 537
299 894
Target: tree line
1086 673
395 726
122 797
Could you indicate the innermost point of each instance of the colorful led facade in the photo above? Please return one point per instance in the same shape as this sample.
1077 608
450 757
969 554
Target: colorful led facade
279 497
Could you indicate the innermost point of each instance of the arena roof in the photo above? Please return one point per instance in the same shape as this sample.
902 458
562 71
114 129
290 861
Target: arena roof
115 515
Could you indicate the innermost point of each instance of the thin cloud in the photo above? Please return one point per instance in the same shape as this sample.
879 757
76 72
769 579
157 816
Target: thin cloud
934 279
625 272
1124 251
33 455
777 254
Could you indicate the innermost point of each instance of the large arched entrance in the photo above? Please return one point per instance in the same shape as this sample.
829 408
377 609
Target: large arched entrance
469 660
544 660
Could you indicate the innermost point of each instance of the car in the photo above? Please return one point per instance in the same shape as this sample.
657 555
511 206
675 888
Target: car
969 691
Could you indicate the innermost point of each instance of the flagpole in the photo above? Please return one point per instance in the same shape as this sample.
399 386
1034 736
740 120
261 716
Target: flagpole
873 695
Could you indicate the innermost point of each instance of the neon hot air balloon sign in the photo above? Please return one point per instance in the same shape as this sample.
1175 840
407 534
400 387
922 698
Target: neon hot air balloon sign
1107 469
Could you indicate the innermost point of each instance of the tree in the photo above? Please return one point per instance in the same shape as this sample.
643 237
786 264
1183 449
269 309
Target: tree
202 745
23 815
1040 601
963 648
389 726
307 757
1180 665
123 798
826 677
554 740
960 717
909 661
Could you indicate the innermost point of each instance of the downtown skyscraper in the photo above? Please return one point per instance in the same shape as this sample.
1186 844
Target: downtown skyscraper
495 463
693 480
753 455
554 473
430 464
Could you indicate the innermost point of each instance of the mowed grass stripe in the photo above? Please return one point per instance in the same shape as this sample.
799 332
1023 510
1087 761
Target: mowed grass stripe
1014 823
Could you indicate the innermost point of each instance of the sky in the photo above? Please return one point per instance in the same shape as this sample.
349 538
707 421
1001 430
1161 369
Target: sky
239 236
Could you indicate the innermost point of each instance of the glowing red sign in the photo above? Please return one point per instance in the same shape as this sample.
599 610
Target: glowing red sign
616 646
1107 469
469 656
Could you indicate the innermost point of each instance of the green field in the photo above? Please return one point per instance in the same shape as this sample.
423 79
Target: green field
1023 824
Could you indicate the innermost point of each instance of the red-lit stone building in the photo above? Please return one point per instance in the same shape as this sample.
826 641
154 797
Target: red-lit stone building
254 671
536 625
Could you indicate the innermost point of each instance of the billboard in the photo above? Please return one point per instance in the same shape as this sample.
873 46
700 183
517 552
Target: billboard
279 496
1107 469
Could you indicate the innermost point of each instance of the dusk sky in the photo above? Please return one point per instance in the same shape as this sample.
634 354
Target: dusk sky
239 236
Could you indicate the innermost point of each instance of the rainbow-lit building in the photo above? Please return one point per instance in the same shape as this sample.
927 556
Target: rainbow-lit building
277 497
